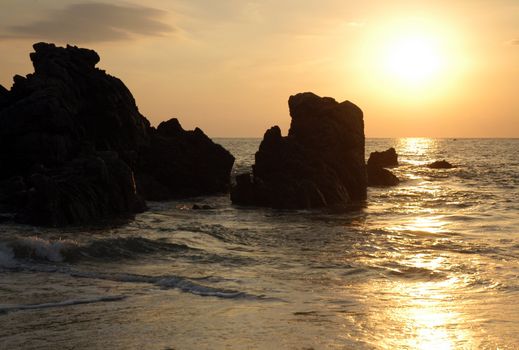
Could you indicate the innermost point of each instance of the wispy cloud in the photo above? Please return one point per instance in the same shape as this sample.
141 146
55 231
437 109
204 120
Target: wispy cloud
514 42
93 22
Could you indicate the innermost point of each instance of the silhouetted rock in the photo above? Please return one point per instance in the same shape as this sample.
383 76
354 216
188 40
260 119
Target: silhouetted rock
12 194
380 177
377 175
385 159
74 137
4 94
6 218
440 164
201 207
82 191
320 163
181 163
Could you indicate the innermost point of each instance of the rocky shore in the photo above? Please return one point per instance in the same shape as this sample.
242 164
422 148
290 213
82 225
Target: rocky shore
74 148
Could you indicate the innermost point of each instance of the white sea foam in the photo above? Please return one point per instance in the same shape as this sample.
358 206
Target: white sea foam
46 249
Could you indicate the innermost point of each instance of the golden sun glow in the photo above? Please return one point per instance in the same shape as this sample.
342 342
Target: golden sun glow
413 59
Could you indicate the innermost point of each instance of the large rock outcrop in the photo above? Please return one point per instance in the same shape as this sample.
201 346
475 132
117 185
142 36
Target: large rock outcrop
319 164
74 148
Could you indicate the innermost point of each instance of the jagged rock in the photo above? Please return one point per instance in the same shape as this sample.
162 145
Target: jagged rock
75 137
385 159
4 95
319 164
6 217
85 190
181 163
12 193
440 164
377 175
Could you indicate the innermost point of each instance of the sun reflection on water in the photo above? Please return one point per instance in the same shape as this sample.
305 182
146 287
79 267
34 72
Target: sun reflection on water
419 288
416 225
415 145
420 315
429 316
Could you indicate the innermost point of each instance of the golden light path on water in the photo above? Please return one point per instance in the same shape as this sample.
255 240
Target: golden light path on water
432 263
424 315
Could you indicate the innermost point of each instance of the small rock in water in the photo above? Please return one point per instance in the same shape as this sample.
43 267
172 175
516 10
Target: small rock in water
377 175
440 164
380 177
385 159
201 207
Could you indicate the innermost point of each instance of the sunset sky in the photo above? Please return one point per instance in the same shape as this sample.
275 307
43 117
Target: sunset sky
416 68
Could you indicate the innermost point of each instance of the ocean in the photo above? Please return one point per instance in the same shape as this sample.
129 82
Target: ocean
432 263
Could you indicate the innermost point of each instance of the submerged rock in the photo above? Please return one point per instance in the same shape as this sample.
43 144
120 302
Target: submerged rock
319 164
380 177
377 175
440 164
74 137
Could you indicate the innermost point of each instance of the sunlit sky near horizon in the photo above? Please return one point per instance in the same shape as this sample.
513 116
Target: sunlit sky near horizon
416 68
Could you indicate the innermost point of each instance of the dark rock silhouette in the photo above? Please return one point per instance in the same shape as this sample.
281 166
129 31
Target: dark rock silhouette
75 149
440 164
180 163
377 175
380 177
319 164
201 207
385 159
4 93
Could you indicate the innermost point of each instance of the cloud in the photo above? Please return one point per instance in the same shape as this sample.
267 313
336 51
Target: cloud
94 22
514 42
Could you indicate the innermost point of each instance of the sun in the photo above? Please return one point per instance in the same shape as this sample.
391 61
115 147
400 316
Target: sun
413 59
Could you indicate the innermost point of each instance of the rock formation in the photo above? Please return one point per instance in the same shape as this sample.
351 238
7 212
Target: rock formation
385 159
380 177
180 163
319 164
440 164
75 149
377 175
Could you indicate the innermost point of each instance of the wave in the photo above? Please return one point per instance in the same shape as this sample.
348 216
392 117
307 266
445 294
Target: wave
42 249
9 308
183 284
169 282
128 247
414 273
37 248
400 271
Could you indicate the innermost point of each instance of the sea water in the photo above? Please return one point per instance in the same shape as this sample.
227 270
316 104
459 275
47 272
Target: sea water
432 263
